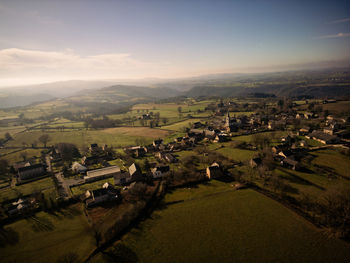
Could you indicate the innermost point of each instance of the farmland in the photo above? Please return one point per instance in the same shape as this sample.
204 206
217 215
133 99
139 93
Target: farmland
47 237
226 224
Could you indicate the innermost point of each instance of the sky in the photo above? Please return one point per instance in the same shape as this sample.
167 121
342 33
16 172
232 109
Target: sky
44 41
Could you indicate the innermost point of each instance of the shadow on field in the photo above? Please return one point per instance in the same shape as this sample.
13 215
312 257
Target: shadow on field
121 254
41 224
299 180
225 179
8 236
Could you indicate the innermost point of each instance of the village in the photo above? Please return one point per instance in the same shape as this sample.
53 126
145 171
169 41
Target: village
131 181
329 131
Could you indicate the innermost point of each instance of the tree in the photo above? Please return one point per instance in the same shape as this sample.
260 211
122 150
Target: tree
4 166
179 109
67 151
8 136
165 120
44 139
24 155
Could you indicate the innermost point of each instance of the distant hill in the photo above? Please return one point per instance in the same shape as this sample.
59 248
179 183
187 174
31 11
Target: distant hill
122 93
325 83
17 100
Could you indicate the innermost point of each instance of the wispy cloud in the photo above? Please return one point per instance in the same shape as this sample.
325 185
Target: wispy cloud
67 64
339 35
344 20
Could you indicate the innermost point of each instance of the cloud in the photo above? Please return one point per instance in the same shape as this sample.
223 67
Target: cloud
67 64
340 21
339 35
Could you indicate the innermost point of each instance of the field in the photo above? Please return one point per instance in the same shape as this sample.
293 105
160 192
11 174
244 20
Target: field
81 189
47 237
180 126
111 137
46 184
214 223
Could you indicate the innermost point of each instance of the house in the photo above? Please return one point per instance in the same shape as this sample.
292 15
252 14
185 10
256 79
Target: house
329 130
137 151
290 163
122 178
214 171
20 206
303 143
285 153
324 137
166 157
160 171
31 172
209 134
94 148
102 173
220 138
308 115
89 160
287 139
78 168
303 131
157 143
99 196
196 133
16 166
135 172
255 162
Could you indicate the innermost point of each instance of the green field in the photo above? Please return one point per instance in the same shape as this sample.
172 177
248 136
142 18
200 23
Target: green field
214 223
46 184
180 126
111 137
47 237
81 189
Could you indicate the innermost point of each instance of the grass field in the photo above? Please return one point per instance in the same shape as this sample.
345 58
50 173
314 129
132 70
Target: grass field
13 156
334 160
180 126
214 223
81 189
235 154
112 137
45 184
47 237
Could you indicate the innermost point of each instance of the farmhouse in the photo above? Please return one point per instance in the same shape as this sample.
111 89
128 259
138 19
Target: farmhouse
137 151
290 163
98 196
122 178
160 171
103 173
31 172
94 148
323 137
255 162
78 168
213 171
89 160
157 143
135 172
16 166
20 206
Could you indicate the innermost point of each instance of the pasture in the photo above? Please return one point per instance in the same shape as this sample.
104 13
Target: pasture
47 237
116 137
214 223
46 185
